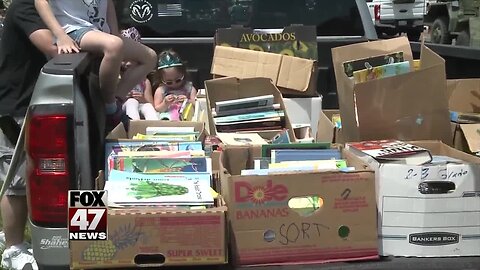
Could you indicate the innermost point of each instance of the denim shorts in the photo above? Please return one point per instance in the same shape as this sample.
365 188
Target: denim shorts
78 34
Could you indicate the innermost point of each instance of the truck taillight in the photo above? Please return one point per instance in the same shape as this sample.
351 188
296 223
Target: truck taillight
376 11
47 137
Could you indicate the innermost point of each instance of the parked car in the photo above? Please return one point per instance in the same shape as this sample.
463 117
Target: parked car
392 17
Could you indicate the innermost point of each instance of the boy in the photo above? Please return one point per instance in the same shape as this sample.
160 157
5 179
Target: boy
91 25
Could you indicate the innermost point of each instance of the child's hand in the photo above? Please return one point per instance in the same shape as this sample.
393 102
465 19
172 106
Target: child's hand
181 98
65 44
138 96
169 99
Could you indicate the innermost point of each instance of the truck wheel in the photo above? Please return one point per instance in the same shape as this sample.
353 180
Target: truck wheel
439 32
463 39
413 35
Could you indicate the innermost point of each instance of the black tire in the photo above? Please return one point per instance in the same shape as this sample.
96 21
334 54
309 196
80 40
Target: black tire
463 39
439 32
414 35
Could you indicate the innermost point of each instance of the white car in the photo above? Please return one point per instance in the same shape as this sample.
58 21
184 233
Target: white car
392 17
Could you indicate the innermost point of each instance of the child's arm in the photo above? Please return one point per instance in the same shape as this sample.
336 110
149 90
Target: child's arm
147 94
112 18
193 96
64 43
160 103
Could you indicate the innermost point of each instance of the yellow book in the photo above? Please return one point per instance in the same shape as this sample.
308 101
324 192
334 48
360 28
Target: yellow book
173 137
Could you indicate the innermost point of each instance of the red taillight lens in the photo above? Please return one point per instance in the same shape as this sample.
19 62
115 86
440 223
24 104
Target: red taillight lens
376 11
48 174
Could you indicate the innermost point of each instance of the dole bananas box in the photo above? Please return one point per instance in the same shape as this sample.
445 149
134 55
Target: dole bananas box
298 217
155 237
294 66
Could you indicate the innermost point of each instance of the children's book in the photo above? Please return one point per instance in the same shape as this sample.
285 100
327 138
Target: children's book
318 164
165 154
267 148
248 117
392 151
241 139
242 103
351 66
169 130
154 190
292 170
168 137
380 72
246 110
158 165
280 155
187 111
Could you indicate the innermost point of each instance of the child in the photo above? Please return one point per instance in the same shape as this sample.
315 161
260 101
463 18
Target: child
140 98
92 26
173 87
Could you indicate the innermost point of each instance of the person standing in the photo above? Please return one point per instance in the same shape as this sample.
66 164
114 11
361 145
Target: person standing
25 46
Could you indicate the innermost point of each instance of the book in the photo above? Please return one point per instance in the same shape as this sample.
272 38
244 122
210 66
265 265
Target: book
164 191
337 120
280 155
187 111
158 165
331 164
392 151
167 137
365 63
266 149
169 130
242 103
292 170
380 72
255 125
246 110
464 118
241 139
250 117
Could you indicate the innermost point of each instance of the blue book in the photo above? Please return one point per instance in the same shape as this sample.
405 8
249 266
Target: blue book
280 155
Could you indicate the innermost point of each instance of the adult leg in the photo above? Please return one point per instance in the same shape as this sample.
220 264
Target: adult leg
145 59
148 111
112 49
131 108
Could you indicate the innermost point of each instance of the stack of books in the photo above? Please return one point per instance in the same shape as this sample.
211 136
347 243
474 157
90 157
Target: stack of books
166 167
372 68
298 157
248 114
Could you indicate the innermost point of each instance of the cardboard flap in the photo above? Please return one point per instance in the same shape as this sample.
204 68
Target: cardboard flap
428 58
472 136
464 95
410 106
326 129
242 63
295 73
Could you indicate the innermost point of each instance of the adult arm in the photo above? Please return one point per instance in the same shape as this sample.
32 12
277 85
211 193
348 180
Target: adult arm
111 18
148 92
64 43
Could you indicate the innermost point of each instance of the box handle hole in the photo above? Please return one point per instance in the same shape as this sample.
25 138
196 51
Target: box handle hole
436 187
306 205
149 259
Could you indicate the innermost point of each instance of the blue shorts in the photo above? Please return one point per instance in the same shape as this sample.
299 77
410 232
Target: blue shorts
78 34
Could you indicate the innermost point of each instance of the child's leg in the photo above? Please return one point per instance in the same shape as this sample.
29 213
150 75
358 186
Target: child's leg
145 59
131 108
148 111
112 49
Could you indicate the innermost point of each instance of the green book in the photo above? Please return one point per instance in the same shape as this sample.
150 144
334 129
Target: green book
267 148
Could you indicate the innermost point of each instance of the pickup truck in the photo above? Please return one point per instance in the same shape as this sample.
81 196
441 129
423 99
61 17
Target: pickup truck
64 127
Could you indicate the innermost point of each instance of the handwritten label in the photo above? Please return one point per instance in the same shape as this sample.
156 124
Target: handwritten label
436 173
296 232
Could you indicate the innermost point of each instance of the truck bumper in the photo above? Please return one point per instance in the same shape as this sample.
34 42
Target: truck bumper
400 25
50 247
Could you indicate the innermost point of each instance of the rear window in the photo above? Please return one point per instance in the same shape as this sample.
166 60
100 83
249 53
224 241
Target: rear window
200 18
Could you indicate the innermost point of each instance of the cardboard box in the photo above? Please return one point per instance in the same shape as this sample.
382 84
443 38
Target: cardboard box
464 97
327 131
119 133
294 40
411 106
412 223
155 237
233 88
266 231
304 111
292 75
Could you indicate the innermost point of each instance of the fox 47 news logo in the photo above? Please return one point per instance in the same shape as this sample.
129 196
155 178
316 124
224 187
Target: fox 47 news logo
87 215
